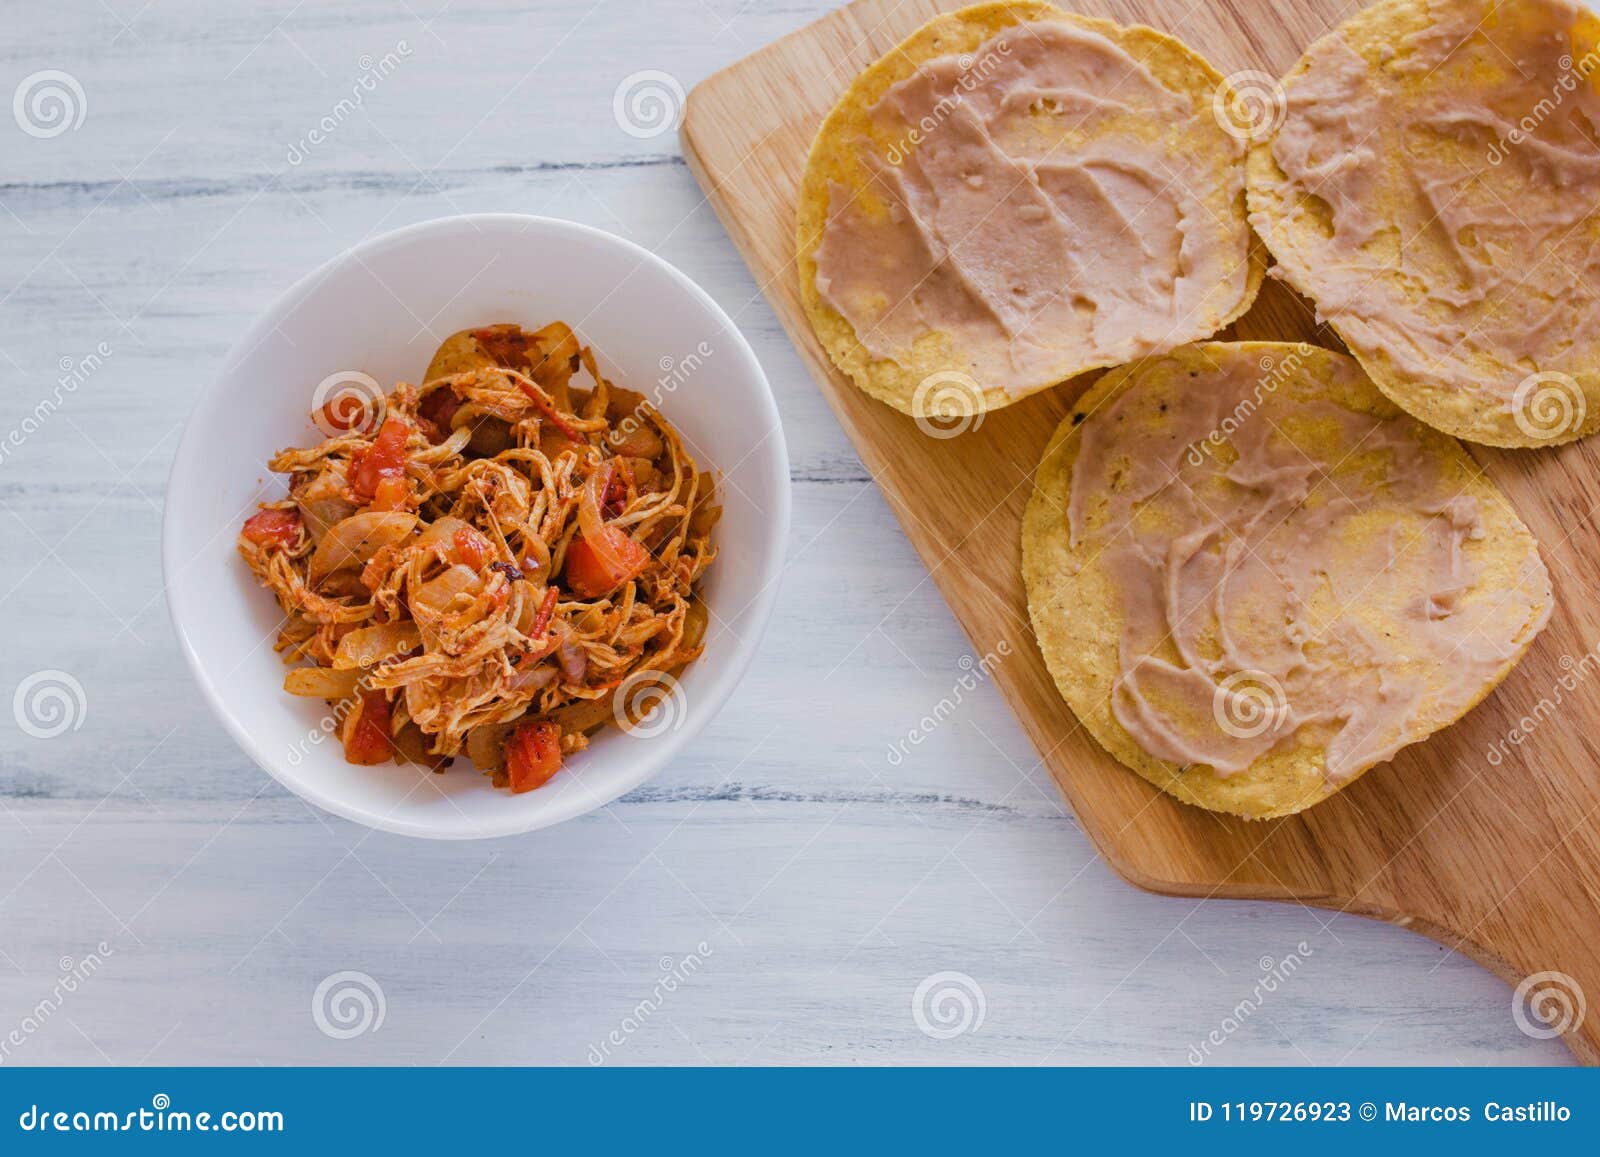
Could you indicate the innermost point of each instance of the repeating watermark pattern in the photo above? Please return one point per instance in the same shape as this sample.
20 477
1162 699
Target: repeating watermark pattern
348 401
675 973
348 1004
1548 1004
974 673
73 974
1574 672
1275 371
49 103
49 703
1249 105
675 372
1274 974
948 1004
75 371
649 703
647 103
1549 404
1574 75
373 73
329 724
333 721
947 404
1249 703
973 72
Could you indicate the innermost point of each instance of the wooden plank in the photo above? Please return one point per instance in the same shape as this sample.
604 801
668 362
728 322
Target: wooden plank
1492 854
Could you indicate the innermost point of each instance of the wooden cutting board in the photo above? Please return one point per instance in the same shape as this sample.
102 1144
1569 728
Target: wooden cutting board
1494 856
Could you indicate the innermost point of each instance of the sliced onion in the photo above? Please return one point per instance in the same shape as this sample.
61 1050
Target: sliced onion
413 746
694 623
343 584
486 745
583 715
438 594
590 521
536 678
442 531
321 683
707 510
321 501
704 519
353 541
322 514
366 648
536 562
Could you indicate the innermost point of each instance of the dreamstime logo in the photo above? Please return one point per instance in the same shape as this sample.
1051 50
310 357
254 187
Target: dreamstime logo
1249 703
1274 372
333 722
948 1004
348 1004
1574 76
1549 405
1573 672
674 373
973 674
674 974
974 71
1548 1004
75 371
647 103
49 103
72 975
1274 974
49 703
1249 105
348 401
649 703
947 404
373 71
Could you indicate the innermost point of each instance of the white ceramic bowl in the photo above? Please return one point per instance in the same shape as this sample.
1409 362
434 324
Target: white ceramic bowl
381 309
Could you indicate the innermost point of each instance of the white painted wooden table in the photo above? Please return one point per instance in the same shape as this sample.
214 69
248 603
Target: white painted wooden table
825 879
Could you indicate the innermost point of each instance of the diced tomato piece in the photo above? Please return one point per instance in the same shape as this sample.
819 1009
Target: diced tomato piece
392 494
533 755
273 528
385 458
439 408
593 571
472 548
505 345
368 741
344 411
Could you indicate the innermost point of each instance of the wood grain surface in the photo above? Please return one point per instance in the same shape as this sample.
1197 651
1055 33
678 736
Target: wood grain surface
1483 841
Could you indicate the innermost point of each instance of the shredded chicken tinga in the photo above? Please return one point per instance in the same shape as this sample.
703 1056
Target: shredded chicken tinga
496 564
